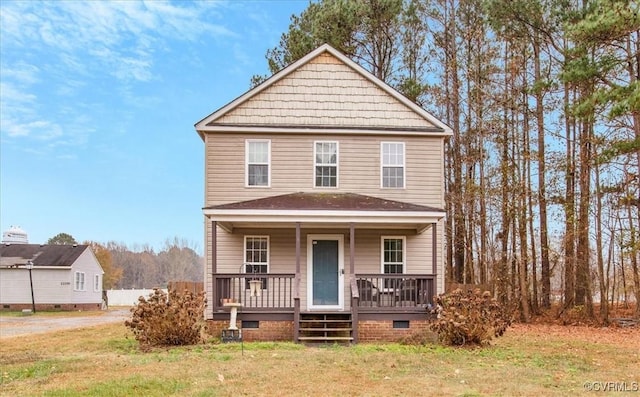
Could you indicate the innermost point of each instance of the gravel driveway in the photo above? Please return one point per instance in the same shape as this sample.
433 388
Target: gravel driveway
29 324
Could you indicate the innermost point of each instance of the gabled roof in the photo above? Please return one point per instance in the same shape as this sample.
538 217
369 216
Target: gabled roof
54 255
288 97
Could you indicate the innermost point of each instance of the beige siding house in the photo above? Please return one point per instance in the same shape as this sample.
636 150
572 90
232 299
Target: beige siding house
324 197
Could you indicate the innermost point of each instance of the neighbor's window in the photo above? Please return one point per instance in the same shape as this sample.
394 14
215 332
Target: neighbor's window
79 281
258 155
392 258
392 164
326 164
96 283
256 257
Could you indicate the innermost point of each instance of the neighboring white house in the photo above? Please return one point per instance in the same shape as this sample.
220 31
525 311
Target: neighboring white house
65 277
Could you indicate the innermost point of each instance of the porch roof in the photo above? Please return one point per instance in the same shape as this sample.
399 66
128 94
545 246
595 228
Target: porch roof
324 210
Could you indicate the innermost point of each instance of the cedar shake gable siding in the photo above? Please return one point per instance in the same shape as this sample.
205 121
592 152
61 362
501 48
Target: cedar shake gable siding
323 90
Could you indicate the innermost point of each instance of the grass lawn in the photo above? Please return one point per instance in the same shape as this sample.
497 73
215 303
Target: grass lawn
532 360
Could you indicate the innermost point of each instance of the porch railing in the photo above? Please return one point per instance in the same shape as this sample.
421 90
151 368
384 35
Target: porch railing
394 291
276 291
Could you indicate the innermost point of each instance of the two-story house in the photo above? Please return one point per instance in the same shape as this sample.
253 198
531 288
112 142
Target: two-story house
324 197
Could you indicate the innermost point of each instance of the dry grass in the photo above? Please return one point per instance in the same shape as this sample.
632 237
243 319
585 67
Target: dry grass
538 360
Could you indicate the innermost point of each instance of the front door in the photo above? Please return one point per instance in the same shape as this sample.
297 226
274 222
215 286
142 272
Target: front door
325 271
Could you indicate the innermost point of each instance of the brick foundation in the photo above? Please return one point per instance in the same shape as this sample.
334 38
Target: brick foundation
267 331
383 331
371 331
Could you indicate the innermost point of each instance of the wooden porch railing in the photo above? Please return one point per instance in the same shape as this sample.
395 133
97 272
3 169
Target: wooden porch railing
394 291
374 292
276 291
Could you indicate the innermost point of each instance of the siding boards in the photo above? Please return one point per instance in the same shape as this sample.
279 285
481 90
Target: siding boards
292 167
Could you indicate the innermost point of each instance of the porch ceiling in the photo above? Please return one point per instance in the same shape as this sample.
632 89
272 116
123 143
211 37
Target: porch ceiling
324 210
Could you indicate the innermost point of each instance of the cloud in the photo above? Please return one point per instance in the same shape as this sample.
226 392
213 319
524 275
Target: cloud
22 72
108 31
55 53
15 105
43 130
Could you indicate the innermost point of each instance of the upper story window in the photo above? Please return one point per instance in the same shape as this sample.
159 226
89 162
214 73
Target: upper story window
326 164
258 162
79 281
392 164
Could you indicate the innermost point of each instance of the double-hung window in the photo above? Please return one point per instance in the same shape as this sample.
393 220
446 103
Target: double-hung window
326 164
392 164
258 162
256 257
97 285
79 281
393 258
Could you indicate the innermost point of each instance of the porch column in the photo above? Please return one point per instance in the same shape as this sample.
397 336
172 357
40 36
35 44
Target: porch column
352 276
434 248
296 292
214 262
214 248
352 249
297 279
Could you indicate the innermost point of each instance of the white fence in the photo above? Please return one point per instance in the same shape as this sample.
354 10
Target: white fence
127 297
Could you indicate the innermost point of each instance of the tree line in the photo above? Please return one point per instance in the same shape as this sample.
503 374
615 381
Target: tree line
141 266
542 171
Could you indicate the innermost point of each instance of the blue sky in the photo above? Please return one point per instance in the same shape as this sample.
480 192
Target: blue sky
98 102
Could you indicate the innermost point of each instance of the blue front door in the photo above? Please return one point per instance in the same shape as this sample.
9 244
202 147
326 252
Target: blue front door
326 273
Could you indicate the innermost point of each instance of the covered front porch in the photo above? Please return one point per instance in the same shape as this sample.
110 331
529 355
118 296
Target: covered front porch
339 261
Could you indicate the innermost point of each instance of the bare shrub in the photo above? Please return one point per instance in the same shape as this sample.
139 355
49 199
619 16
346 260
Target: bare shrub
469 318
172 319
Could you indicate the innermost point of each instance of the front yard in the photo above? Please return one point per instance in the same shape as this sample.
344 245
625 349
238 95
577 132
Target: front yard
530 360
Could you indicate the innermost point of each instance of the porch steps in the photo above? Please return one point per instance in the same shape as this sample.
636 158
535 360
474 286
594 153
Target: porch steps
323 328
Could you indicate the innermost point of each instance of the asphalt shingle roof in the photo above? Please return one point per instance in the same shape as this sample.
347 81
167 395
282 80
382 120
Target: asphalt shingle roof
324 201
43 255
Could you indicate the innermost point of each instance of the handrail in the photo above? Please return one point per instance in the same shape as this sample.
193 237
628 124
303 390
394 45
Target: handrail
395 291
276 291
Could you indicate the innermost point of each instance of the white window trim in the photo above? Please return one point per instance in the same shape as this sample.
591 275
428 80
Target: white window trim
75 281
337 165
246 163
96 283
244 252
404 164
404 252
